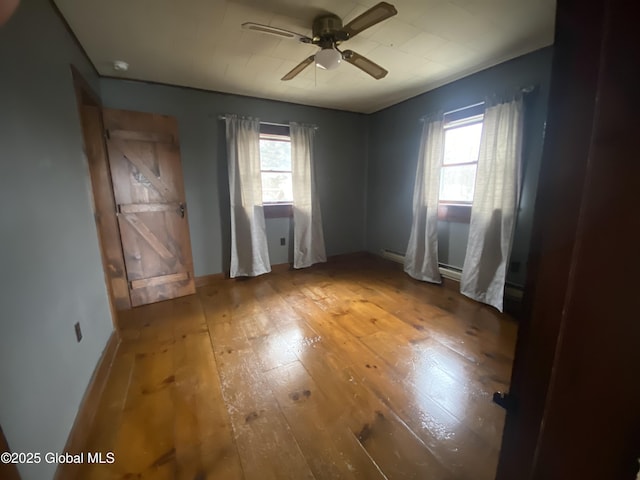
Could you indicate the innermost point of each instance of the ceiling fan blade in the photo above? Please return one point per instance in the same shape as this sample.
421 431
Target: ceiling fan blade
374 15
364 64
298 68
279 32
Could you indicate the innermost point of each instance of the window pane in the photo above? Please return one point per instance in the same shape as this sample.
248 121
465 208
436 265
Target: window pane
457 183
275 155
462 144
276 187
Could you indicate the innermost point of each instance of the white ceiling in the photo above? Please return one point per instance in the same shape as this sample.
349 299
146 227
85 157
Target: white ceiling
199 43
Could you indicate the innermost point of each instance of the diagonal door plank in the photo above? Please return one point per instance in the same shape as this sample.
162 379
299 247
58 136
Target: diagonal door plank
157 182
148 235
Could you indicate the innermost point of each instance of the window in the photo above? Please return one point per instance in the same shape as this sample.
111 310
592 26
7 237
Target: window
460 161
275 165
462 132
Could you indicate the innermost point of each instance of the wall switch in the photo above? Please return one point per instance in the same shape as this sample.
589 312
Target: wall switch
78 330
282 242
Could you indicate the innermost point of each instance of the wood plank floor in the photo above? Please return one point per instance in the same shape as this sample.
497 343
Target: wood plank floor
345 370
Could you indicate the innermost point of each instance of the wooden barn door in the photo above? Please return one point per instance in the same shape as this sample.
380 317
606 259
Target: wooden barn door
144 157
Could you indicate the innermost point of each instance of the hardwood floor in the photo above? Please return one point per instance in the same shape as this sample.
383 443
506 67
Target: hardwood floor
345 370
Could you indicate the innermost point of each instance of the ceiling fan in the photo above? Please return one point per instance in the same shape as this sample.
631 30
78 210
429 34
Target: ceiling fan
328 33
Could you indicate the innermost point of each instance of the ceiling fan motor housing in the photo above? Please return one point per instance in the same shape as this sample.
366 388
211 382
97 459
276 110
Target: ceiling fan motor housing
328 28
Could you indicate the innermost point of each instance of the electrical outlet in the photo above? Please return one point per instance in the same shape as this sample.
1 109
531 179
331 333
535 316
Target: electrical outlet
282 241
78 330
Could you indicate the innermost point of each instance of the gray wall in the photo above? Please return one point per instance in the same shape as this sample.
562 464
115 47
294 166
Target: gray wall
394 138
340 163
50 262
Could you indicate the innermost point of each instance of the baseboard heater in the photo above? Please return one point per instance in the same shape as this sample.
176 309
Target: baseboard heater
450 272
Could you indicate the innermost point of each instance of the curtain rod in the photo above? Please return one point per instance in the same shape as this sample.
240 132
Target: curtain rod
527 89
463 108
449 112
224 117
275 124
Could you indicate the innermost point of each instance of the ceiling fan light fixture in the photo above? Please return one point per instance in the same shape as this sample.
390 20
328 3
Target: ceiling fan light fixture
328 58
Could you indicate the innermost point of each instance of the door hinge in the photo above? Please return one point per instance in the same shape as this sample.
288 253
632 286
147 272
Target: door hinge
505 400
107 135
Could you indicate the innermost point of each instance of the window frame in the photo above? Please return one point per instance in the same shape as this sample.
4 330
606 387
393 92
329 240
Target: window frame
458 211
278 133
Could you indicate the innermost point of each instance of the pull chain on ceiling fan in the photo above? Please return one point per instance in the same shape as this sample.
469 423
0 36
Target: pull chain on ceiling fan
328 34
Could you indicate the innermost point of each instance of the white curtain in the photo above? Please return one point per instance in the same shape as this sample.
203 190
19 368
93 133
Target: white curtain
308 238
421 259
249 252
495 201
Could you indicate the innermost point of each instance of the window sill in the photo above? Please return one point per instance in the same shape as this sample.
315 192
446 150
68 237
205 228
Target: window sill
456 213
278 210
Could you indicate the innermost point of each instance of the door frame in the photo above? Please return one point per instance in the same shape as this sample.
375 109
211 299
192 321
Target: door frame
8 471
103 202
574 384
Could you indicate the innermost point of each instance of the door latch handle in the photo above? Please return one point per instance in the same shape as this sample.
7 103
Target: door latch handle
505 400
182 209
